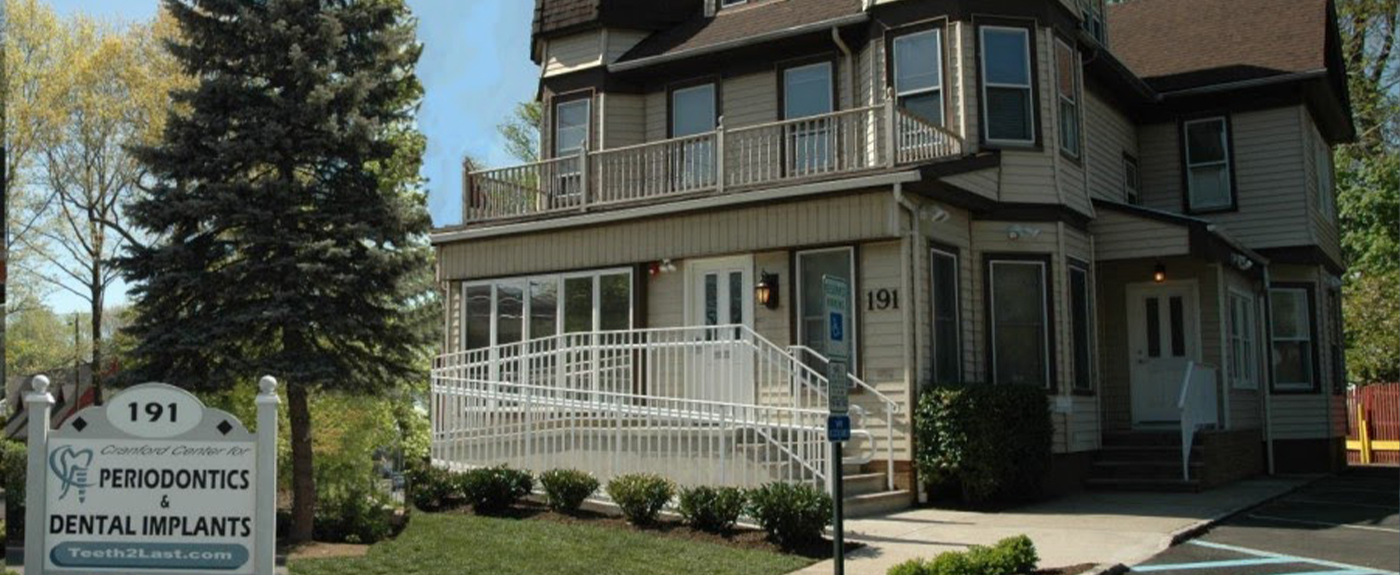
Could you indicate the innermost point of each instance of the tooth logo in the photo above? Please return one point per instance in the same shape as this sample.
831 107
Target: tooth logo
71 467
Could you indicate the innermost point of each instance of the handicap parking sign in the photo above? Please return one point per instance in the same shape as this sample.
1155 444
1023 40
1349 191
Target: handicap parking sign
838 327
838 428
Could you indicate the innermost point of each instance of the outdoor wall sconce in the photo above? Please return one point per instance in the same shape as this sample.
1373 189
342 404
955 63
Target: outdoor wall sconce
766 291
1159 273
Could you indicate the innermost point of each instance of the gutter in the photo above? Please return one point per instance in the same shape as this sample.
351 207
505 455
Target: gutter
907 286
477 231
1269 81
1268 383
739 43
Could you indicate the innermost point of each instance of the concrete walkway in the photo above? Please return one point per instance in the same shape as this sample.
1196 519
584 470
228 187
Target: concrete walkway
1103 528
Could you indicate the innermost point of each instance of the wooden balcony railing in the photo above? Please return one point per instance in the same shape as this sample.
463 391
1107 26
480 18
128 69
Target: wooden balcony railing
722 161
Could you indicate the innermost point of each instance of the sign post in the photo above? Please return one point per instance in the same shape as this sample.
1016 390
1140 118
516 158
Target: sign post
836 299
152 482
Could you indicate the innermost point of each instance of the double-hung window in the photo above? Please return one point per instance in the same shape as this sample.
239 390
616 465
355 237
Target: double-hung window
947 347
1242 365
570 136
1208 182
1093 20
918 74
1008 115
1132 181
1081 327
1020 326
693 112
1326 195
1293 349
808 91
1067 89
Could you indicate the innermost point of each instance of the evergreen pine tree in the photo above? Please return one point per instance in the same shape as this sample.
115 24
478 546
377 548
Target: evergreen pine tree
288 213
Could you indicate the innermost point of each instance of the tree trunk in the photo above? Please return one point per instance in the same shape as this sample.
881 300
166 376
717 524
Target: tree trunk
303 480
97 303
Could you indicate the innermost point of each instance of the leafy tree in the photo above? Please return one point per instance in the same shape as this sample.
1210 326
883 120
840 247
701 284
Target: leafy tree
37 341
1368 187
290 216
522 131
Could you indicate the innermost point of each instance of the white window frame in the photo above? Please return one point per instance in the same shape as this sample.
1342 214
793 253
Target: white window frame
1227 161
1326 179
855 303
1246 374
1089 342
1029 87
1309 330
938 62
1045 288
1132 186
1073 101
935 253
558 278
1093 12
587 103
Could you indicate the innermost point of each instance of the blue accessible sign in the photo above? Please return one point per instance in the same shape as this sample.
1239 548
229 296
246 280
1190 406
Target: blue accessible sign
838 428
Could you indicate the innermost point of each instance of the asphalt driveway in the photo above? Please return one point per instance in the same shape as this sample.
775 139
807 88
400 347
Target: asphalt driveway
1345 525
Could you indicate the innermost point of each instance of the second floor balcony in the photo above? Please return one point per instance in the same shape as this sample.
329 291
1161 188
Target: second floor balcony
723 161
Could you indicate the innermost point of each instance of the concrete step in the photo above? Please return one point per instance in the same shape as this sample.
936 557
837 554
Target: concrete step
1130 469
878 503
1161 453
1144 484
1143 438
863 483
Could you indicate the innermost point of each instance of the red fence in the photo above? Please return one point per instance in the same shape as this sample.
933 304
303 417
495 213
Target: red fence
1373 424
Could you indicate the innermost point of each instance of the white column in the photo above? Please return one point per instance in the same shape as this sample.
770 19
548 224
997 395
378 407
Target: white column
37 404
265 514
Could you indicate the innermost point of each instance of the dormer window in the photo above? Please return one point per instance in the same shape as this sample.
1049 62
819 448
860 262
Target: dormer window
918 73
1209 183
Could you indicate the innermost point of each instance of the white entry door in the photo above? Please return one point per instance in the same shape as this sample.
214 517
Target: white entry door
1163 337
720 294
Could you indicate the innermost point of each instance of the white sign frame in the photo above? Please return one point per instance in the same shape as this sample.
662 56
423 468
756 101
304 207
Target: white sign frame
115 539
836 307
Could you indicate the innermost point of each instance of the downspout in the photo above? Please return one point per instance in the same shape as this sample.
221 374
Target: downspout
907 318
850 65
1268 383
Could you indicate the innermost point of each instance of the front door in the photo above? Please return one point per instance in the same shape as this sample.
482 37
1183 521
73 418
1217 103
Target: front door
1164 336
720 294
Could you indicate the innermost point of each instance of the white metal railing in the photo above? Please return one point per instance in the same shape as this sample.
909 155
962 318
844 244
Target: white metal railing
889 409
724 160
689 379
1197 406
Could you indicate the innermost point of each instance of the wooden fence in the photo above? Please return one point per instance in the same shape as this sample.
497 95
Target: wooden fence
1373 424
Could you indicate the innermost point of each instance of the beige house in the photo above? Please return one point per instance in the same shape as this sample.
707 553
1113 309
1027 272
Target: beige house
1129 206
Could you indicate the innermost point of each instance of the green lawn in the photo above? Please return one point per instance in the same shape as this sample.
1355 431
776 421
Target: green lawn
455 544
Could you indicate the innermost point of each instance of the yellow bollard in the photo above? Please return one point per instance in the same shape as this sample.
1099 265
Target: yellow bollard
1365 434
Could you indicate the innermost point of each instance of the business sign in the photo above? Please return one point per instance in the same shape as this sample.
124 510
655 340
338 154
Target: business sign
154 482
836 309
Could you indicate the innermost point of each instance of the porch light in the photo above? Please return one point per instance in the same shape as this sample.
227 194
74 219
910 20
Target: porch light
766 291
1159 273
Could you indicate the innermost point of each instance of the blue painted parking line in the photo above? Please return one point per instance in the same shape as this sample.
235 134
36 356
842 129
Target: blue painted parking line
1343 567
1212 564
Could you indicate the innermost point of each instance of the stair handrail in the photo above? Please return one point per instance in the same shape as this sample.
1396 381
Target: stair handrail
1189 405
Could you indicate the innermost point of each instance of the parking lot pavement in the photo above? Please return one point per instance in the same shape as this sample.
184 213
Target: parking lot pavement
1345 525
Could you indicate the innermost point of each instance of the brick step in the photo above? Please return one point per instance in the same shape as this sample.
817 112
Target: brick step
1144 484
1143 438
1128 469
863 483
1149 453
877 503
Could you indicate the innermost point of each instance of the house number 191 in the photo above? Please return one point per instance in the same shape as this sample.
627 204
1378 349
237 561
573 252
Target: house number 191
882 299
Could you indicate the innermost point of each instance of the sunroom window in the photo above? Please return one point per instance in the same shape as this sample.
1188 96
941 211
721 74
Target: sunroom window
918 74
1208 164
507 311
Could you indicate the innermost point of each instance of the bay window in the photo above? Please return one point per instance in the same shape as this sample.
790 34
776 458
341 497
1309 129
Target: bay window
1081 327
1294 351
1209 184
1019 321
918 74
1008 102
1067 89
1242 364
947 347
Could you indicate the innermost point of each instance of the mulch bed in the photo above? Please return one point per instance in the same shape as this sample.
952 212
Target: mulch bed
739 537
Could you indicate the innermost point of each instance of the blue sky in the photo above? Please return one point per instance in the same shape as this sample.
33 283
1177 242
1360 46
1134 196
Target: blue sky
475 67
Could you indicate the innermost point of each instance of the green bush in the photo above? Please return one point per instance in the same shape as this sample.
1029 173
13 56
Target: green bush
713 509
14 460
353 513
791 514
565 489
641 496
492 490
990 442
1010 556
432 488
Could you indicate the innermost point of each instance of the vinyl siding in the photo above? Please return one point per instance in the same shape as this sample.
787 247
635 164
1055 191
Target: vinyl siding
1309 415
620 41
770 226
1029 175
950 233
1246 405
1269 174
624 119
750 99
1123 236
985 183
573 53
1324 226
881 340
1108 135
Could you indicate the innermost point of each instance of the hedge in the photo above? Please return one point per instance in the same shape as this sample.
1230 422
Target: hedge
990 443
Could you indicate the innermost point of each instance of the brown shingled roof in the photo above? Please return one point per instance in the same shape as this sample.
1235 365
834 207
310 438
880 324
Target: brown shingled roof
1179 44
736 23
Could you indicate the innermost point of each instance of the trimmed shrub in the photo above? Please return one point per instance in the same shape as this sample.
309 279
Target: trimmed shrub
494 489
1010 556
14 460
565 489
432 488
713 509
791 514
641 496
989 442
